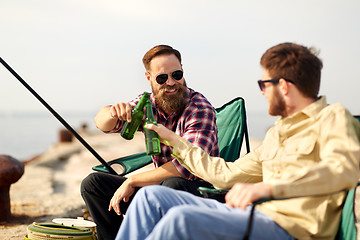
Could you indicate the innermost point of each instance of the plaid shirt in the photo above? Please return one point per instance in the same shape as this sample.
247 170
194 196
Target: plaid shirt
197 124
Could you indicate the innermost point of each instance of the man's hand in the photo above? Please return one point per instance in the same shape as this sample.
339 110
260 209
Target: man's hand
167 136
122 193
243 194
121 111
108 116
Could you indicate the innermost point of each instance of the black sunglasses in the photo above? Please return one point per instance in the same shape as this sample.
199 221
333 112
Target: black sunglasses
275 80
176 75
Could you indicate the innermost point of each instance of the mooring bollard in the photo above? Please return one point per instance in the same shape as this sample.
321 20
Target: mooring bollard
11 170
65 136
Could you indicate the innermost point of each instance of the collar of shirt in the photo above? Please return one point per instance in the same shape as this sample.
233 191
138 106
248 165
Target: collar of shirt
310 111
289 125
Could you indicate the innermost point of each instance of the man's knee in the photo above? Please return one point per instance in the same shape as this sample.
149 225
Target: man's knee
154 195
151 192
88 182
178 183
181 213
181 219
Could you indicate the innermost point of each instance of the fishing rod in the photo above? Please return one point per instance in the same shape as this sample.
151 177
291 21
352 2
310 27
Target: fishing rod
82 140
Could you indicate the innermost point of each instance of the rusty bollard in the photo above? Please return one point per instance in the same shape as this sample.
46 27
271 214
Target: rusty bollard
10 171
65 135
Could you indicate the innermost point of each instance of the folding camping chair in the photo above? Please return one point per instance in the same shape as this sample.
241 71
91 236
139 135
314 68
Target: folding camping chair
347 229
232 131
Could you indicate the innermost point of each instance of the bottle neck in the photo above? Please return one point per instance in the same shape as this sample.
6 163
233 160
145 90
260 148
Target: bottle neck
149 111
141 104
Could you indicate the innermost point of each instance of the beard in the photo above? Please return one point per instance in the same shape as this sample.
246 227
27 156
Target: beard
171 103
277 105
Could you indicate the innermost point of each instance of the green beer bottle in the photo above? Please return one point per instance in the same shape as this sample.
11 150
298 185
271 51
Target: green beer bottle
137 113
152 141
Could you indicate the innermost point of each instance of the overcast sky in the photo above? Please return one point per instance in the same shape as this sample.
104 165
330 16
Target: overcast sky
80 55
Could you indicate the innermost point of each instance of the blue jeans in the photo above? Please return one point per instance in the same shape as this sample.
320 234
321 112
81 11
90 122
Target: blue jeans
159 212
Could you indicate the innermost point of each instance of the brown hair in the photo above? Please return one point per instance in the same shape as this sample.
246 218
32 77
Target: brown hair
157 51
297 63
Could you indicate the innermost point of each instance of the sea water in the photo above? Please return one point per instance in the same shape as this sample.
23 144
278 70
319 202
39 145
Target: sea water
24 135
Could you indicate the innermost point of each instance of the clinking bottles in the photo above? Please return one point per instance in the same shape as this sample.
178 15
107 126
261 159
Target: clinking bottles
152 141
137 113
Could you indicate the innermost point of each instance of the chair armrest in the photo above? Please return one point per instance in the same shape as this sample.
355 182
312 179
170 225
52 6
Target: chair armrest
209 192
125 165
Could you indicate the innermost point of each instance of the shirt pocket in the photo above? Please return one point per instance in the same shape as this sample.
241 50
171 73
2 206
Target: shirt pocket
302 147
269 152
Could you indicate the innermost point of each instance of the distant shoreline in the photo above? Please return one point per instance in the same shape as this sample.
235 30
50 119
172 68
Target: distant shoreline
26 135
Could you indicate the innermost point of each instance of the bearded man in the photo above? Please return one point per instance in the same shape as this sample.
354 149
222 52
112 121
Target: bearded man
177 107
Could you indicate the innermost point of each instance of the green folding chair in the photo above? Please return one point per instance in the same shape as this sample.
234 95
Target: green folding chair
232 131
347 229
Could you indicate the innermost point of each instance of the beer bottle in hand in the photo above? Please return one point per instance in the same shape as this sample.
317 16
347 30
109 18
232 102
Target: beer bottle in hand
152 141
137 113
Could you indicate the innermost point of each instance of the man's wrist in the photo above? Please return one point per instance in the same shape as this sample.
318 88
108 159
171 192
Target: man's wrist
174 139
130 182
266 189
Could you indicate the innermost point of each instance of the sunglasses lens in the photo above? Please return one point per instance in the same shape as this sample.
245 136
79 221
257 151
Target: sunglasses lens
162 78
261 85
177 75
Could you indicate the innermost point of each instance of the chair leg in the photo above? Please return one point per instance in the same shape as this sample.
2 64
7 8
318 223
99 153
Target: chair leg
250 221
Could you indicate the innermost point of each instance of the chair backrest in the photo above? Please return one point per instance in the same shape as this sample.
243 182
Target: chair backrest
347 229
357 117
232 129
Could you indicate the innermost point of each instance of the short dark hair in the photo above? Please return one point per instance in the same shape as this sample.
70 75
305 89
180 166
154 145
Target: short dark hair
297 63
157 51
